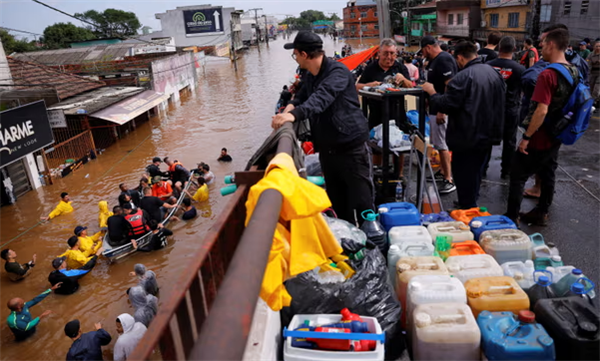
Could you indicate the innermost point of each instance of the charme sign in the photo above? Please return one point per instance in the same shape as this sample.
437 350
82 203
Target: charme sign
203 21
23 130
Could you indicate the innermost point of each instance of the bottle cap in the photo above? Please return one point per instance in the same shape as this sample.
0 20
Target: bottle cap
403 267
550 244
518 275
453 267
422 319
463 227
526 316
576 271
556 259
578 289
382 210
483 209
543 281
476 224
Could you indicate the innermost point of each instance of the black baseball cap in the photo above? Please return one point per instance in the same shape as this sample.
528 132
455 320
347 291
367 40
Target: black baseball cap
72 328
305 40
427 40
57 262
156 159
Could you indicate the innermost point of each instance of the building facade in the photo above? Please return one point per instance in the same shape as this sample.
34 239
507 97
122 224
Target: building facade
458 19
361 19
510 17
581 16
423 20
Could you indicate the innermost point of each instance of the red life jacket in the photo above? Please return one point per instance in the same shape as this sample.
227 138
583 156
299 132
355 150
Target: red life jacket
524 57
137 223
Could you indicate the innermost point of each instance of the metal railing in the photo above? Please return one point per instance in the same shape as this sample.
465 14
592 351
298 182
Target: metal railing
208 314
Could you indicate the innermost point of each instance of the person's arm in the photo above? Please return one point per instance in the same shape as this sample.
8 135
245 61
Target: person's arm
184 170
18 269
102 336
98 236
166 232
81 258
536 122
75 273
55 213
38 298
366 79
451 100
299 98
119 352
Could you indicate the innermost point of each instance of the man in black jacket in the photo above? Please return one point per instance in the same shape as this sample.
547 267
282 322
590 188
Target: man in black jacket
339 129
474 101
86 346
154 169
68 278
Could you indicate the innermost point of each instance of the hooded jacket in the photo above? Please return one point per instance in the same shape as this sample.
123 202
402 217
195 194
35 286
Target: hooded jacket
145 305
474 101
86 244
88 346
147 279
62 208
103 214
132 334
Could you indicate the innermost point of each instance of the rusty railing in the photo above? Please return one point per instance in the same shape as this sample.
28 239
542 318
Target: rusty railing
208 314
72 148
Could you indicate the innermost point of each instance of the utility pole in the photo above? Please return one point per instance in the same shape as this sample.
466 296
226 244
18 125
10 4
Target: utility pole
266 30
256 27
535 23
233 54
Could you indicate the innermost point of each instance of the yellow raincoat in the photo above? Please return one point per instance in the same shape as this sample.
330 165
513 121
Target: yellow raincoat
201 194
75 258
62 208
103 213
307 243
86 244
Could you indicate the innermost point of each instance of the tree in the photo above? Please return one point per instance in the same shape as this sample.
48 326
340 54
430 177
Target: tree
59 35
312 15
12 45
112 23
334 17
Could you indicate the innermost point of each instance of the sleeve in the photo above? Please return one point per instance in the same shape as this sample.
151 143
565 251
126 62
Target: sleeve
16 268
447 68
24 326
452 99
301 96
103 337
546 85
69 356
404 71
75 273
55 213
38 299
366 76
167 232
169 189
329 89
81 258
97 236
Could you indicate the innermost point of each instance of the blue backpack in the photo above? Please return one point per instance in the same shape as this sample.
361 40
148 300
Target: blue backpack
569 129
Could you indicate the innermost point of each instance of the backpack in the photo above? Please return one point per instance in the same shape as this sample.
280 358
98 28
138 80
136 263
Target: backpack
568 131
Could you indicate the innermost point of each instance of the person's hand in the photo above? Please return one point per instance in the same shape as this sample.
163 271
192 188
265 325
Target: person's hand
132 273
99 252
399 79
134 243
33 259
428 88
160 225
281 119
53 288
523 146
373 83
440 118
45 314
98 325
44 218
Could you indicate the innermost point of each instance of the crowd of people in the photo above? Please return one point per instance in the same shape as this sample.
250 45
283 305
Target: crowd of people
140 211
478 98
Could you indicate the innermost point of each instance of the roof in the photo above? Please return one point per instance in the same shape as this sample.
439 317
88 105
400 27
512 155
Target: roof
96 100
89 54
28 75
427 5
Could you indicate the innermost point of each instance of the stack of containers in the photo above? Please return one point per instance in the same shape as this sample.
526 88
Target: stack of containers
495 294
506 245
432 289
459 231
489 223
407 241
544 255
398 214
445 331
466 267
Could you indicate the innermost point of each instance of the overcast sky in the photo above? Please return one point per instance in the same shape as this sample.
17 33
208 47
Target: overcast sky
30 16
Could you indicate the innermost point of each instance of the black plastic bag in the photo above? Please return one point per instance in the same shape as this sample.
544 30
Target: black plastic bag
367 293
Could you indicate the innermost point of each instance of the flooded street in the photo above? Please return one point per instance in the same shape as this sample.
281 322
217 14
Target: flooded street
226 110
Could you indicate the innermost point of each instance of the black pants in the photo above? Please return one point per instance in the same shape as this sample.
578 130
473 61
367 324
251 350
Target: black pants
467 170
509 140
349 181
543 163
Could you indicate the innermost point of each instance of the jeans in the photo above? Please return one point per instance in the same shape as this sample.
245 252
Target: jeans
467 170
349 180
540 162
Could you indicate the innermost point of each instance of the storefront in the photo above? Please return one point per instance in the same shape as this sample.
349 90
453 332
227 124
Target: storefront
23 131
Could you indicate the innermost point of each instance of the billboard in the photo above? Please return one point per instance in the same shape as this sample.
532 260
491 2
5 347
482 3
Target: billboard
203 21
23 130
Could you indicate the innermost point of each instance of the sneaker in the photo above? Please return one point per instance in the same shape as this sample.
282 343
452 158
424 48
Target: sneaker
446 187
535 217
438 177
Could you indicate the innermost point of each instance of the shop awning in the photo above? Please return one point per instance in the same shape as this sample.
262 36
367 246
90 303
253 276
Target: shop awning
127 109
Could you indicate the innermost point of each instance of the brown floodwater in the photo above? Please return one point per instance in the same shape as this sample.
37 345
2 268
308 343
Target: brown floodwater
227 109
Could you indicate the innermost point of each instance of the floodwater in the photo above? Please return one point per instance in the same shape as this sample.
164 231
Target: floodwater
227 109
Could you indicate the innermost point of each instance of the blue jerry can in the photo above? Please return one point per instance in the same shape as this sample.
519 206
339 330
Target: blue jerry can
398 214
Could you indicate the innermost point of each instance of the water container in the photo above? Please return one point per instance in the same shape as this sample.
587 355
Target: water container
562 287
466 248
496 294
466 267
559 272
459 231
543 263
432 289
489 223
374 230
409 267
466 215
522 272
506 245
445 331
393 257
415 249
399 214
541 249
398 235
539 291
573 324
427 219
505 336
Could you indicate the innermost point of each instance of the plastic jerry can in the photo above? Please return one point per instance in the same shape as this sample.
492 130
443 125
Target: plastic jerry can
406 249
427 219
495 294
398 214
559 272
459 231
543 263
432 289
540 290
466 215
522 272
476 266
489 223
506 245
398 235
466 248
505 336
409 267
541 249
573 324
445 331
393 257
374 230
562 287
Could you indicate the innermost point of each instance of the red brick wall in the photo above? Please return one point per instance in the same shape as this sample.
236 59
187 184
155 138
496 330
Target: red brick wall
369 22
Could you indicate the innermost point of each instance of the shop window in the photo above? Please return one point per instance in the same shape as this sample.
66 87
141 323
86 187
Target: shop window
494 20
513 20
545 13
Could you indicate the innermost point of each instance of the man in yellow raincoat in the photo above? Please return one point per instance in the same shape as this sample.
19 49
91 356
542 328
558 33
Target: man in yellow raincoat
77 259
103 214
89 245
63 207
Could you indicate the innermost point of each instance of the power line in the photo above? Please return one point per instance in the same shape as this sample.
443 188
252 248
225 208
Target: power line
20 31
62 12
